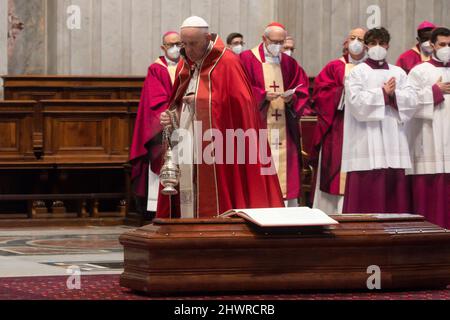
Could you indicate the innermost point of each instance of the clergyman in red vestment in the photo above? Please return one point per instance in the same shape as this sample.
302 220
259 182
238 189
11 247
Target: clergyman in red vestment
146 148
213 97
329 98
421 52
273 73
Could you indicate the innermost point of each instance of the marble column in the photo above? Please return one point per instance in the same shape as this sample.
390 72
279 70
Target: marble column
27 41
3 41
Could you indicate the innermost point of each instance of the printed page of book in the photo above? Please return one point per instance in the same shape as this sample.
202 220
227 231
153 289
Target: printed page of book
287 217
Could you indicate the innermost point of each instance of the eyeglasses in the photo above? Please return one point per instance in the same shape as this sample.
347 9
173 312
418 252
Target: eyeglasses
242 43
170 45
356 38
276 42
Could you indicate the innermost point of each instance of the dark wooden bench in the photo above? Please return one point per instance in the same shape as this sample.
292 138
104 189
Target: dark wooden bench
54 152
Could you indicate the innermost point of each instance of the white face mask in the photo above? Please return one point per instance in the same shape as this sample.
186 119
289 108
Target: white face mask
288 52
377 53
426 48
443 54
274 49
356 47
173 53
238 49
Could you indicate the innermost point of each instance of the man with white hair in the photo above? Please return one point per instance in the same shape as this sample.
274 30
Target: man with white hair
145 155
329 98
281 87
211 98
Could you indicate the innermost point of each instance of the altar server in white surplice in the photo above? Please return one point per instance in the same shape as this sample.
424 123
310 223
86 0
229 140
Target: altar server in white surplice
429 133
379 103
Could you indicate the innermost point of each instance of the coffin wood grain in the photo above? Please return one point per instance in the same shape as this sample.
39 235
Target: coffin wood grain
213 256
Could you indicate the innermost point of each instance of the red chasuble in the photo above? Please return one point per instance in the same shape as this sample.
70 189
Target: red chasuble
411 58
293 76
329 134
223 101
146 144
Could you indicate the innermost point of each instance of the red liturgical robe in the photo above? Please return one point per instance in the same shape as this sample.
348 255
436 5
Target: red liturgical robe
329 135
223 101
411 58
146 144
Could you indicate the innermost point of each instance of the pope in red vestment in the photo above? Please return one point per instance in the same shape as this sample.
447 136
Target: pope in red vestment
293 77
421 52
223 101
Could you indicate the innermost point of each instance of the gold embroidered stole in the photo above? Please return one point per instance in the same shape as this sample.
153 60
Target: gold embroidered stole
171 69
276 119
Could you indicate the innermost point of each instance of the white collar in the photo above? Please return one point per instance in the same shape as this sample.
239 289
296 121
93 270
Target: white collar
436 59
356 62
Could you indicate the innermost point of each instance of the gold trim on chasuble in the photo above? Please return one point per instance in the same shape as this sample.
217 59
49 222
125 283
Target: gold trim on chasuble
207 187
171 69
276 119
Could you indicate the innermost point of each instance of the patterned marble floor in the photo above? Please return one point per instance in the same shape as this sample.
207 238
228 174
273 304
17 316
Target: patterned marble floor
59 251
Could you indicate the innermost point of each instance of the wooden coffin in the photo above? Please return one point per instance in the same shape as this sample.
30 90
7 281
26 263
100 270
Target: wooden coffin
206 256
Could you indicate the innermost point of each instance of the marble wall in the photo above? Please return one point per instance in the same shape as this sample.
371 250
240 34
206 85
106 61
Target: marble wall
320 26
27 37
122 37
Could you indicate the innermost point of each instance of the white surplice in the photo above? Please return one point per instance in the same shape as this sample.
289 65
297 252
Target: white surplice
429 131
375 133
153 189
188 151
